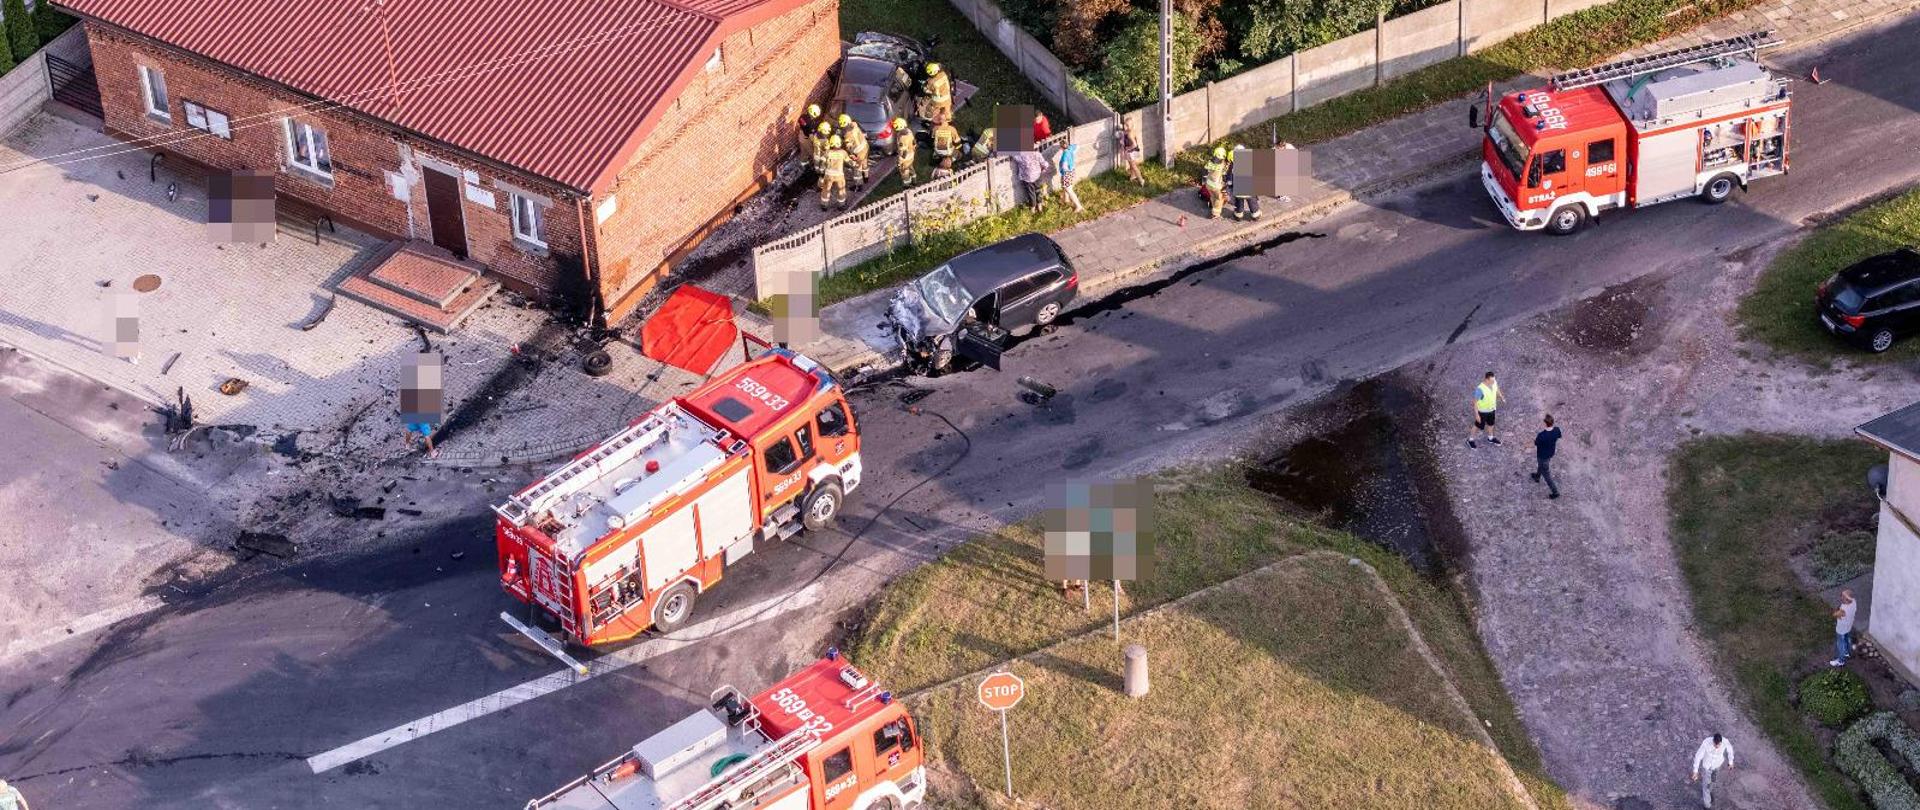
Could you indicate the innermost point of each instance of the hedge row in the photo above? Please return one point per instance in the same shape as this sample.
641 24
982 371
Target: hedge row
1855 755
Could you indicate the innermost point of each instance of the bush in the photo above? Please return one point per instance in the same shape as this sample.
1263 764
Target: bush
6 51
1835 697
1855 755
1280 27
1841 556
1131 75
22 33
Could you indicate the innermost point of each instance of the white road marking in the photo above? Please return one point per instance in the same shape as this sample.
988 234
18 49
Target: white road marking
548 684
79 627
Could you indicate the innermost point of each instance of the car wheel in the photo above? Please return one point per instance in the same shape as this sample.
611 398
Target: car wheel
1566 219
1047 314
822 506
1880 341
1719 189
674 607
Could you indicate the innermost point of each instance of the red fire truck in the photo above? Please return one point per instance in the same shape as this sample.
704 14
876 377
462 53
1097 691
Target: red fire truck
626 535
1694 122
826 738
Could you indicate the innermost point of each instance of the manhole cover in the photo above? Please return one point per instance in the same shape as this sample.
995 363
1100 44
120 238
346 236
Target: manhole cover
147 283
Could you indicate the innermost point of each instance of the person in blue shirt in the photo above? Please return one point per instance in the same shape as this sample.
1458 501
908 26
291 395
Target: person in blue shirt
1544 443
1069 158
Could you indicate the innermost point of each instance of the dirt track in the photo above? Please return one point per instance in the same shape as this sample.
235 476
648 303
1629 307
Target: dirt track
1581 601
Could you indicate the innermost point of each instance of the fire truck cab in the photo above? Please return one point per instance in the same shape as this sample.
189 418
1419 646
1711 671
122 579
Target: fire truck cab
1696 122
826 738
626 535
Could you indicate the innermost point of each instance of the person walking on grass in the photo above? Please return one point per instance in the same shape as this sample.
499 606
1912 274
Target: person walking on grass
1069 157
1843 628
1714 753
1129 153
1486 400
1544 444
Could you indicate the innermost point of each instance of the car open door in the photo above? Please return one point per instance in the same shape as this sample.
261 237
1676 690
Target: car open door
973 345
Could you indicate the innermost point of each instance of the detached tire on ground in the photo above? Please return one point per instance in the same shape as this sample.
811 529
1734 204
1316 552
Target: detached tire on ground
598 363
674 608
822 506
1717 190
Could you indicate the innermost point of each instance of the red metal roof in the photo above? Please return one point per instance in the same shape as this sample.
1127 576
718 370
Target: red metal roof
563 89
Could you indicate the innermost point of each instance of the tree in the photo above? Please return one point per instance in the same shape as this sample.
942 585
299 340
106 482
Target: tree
1131 73
6 53
1280 27
22 34
1076 36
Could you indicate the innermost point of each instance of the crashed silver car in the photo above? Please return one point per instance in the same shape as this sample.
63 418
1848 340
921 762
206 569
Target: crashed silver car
968 306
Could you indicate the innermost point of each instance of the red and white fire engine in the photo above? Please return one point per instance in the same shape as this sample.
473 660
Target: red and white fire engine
625 536
826 738
1694 122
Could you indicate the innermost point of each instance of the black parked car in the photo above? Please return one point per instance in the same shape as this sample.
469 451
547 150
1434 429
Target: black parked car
969 305
1874 301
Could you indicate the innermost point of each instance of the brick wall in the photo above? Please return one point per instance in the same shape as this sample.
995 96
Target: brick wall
369 158
723 137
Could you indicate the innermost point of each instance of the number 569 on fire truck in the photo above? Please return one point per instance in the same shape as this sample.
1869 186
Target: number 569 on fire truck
626 535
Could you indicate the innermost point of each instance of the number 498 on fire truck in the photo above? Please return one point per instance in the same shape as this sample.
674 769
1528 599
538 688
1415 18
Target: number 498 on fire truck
628 534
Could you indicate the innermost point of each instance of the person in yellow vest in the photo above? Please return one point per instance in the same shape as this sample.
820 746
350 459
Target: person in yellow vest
833 174
906 148
1486 400
946 140
1214 181
983 147
939 94
856 143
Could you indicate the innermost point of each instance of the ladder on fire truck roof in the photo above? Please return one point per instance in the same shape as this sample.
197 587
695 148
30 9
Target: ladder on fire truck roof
1639 65
616 450
783 751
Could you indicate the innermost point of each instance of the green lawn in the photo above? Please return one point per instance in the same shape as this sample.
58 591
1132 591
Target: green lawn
1319 636
1740 505
1779 311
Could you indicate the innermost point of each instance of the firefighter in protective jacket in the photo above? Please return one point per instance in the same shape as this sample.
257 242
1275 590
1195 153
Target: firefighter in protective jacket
833 174
856 143
1213 181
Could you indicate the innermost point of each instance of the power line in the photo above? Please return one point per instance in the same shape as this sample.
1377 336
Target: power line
326 104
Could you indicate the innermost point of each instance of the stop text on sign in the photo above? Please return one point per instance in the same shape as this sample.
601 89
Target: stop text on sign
1001 690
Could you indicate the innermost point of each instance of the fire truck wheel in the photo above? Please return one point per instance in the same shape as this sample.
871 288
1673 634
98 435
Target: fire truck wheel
822 506
598 364
674 608
883 803
1566 219
1719 189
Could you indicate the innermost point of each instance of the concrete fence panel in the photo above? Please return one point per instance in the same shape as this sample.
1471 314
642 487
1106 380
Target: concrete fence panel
22 90
1561 8
1190 119
1334 69
1250 98
1484 23
802 253
1425 37
1096 142
866 232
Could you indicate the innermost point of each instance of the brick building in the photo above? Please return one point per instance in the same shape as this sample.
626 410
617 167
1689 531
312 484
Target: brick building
547 140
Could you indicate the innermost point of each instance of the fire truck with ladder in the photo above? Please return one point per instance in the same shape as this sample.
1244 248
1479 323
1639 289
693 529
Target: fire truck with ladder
626 535
826 738
1694 122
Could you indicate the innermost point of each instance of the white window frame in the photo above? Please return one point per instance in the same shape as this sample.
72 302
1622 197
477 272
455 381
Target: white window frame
157 108
203 118
530 235
304 131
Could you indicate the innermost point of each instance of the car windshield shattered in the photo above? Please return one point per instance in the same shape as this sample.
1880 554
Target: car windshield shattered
944 295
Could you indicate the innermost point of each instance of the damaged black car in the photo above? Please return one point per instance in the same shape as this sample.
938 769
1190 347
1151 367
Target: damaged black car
969 306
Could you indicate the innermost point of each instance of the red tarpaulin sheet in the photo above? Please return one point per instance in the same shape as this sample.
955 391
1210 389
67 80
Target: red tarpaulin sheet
691 331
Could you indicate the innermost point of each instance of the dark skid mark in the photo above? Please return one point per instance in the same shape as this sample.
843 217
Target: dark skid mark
1081 455
141 759
1462 328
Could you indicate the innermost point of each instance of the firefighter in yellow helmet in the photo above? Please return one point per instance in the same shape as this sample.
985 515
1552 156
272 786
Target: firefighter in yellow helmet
946 140
906 147
939 94
809 120
856 142
833 174
821 133
1214 181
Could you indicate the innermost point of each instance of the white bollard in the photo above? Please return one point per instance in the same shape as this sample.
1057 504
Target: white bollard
1136 672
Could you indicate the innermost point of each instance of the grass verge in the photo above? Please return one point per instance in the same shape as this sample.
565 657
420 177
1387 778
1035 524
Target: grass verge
1779 312
1741 506
1320 636
1577 40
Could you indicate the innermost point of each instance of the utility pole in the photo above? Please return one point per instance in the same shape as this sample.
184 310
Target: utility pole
1166 83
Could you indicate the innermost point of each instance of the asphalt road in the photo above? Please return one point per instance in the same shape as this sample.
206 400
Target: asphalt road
221 701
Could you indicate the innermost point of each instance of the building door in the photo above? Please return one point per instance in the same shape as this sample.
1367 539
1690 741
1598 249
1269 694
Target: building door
443 212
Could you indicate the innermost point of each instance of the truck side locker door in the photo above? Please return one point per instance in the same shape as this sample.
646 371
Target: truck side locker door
1600 162
893 743
835 427
839 779
1553 173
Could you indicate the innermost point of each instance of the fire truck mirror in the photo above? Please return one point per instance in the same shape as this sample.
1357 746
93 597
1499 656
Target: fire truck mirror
1473 116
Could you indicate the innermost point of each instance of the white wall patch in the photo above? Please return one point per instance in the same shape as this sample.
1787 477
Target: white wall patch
402 190
480 196
604 211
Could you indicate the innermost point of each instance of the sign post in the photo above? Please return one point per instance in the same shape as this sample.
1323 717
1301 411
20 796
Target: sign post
1000 692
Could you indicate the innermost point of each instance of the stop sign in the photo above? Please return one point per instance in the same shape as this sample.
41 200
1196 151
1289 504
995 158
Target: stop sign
1001 690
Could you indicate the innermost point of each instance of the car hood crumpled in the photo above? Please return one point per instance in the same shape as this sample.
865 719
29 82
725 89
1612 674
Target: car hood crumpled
909 311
